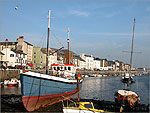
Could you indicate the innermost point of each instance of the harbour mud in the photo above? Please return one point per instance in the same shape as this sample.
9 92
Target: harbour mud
13 103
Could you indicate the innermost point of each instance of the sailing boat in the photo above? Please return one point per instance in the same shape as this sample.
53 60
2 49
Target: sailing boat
40 90
126 96
127 78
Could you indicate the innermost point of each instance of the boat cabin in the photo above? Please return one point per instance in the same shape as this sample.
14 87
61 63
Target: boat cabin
63 70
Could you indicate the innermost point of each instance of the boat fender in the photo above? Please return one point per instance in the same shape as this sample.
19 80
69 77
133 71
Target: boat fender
79 76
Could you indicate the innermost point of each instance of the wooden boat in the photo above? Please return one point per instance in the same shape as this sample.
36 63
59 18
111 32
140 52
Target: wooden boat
81 107
40 90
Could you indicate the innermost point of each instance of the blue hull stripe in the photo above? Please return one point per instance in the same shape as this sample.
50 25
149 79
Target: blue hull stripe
34 86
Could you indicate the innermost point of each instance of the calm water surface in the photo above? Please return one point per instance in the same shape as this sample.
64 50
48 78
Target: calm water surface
103 88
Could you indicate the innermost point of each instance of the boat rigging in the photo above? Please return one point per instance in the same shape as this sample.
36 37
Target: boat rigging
40 90
127 97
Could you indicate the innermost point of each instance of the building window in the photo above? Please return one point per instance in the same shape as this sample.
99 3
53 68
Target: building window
41 62
41 56
11 55
34 56
34 61
23 56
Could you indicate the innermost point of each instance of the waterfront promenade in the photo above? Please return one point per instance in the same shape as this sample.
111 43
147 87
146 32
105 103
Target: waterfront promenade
15 73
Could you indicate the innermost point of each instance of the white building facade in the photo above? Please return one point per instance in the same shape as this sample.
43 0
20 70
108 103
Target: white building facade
52 59
14 58
96 64
89 61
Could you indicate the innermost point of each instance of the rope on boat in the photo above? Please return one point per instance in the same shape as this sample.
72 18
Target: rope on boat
39 93
56 38
30 92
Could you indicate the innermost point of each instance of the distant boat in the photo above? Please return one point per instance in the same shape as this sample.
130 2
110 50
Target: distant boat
127 78
11 83
40 90
99 75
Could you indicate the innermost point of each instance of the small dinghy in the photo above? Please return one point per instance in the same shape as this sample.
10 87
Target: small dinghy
81 107
126 97
13 82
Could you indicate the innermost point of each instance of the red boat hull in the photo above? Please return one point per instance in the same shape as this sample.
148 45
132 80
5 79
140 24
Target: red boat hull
35 102
11 85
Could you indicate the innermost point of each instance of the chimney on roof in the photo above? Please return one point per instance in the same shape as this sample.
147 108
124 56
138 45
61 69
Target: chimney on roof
21 36
6 40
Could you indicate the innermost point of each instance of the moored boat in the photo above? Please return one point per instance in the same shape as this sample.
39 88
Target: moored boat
40 90
126 97
13 82
127 78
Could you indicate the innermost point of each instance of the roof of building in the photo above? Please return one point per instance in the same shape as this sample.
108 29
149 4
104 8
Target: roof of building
97 58
1 53
78 57
44 50
8 43
28 43
18 51
111 62
88 55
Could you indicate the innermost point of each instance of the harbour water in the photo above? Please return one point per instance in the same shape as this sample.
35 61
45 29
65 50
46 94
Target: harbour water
102 88
105 87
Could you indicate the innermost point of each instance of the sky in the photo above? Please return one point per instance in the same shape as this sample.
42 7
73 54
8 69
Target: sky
102 28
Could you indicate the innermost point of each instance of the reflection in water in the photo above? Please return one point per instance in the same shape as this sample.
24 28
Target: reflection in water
10 90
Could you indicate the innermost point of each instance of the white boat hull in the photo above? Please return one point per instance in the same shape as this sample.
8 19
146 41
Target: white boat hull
78 111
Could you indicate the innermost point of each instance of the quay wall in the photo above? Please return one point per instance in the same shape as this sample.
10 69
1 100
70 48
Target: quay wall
15 73
8 74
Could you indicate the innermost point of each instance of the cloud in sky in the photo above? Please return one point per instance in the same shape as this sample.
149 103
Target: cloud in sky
117 34
79 13
109 15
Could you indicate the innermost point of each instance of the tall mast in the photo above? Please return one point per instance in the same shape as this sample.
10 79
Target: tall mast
47 55
132 45
68 45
